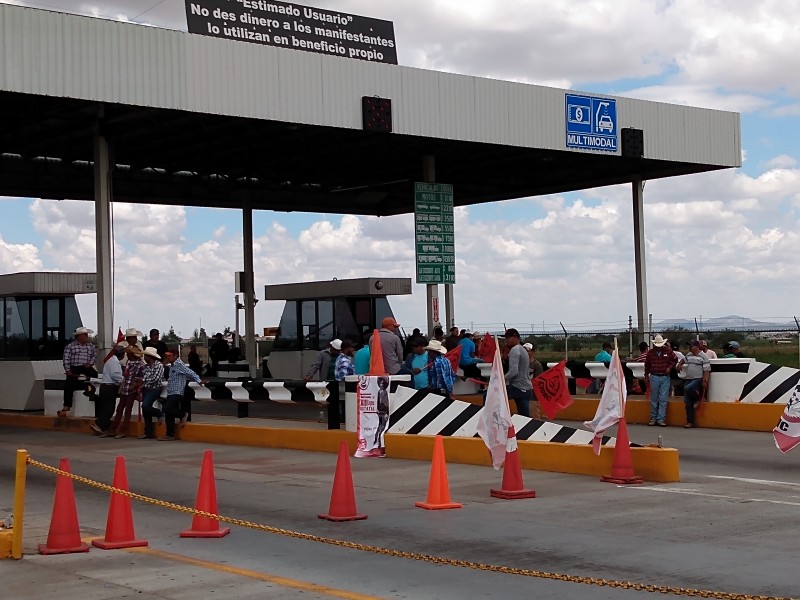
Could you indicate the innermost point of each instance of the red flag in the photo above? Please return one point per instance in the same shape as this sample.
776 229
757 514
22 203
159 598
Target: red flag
454 356
551 390
120 338
488 346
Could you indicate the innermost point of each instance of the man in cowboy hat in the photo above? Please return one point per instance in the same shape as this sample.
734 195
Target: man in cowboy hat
109 388
440 372
179 376
658 365
132 336
79 358
129 392
151 390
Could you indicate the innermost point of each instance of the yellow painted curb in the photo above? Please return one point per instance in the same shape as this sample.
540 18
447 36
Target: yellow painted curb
6 536
653 464
718 415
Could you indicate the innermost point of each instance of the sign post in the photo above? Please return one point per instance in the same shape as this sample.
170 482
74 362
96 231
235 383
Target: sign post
434 241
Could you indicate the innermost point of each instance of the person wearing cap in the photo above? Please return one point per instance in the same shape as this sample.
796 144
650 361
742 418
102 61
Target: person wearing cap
151 390
79 358
708 351
518 382
604 356
217 352
324 365
417 363
658 366
344 360
155 341
698 368
173 407
392 347
106 399
129 392
440 372
732 349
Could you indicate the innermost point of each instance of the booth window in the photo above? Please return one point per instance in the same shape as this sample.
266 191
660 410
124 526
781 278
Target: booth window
37 328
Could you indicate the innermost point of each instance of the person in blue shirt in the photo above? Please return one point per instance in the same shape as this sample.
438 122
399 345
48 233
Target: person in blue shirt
604 356
468 361
440 373
417 363
361 357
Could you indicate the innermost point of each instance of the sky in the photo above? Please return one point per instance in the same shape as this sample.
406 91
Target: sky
717 244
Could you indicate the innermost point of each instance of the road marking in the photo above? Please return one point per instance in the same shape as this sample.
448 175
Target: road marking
761 481
257 575
689 492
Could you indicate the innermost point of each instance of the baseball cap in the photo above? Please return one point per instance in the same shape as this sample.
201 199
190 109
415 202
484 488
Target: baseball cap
527 346
336 344
734 344
389 322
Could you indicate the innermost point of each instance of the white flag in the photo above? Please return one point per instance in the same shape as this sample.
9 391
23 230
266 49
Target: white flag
612 402
496 416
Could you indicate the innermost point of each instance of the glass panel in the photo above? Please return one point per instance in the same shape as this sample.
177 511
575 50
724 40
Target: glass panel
2 328
309 315
37 328
16 334
325 308
382 310
362 313
346 328
72 317
286 338
53 313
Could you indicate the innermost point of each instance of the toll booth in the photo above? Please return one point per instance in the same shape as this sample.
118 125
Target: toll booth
39 316
317 312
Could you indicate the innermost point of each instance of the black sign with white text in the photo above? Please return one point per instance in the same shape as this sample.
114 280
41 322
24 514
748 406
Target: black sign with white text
294 26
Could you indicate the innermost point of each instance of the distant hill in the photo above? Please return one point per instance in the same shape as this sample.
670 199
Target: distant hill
717 323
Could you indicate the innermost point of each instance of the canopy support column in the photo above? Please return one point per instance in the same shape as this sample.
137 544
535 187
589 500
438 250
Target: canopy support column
639 258
249 289
431 289
103 245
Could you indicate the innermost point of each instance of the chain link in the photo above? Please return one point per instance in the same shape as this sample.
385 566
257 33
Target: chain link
438 560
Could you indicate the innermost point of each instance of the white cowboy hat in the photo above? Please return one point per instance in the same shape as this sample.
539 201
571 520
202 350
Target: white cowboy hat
659 341
132 331
81 330
151 352
436 346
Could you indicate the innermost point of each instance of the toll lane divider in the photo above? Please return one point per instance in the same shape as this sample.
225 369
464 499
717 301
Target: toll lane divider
654 464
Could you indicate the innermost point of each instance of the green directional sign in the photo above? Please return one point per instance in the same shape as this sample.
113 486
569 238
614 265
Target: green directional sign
433 233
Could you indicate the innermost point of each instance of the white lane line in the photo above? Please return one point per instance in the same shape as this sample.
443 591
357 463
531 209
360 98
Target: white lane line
721 496
761 481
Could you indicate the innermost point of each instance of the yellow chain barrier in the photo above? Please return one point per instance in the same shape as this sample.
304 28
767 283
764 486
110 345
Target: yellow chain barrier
439 560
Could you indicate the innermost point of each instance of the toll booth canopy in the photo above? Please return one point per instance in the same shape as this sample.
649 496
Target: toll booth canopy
39 313
320 311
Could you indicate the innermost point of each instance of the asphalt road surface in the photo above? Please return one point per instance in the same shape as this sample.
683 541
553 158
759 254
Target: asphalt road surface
729 526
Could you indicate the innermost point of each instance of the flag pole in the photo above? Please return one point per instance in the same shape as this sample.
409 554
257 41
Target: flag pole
621 383
502 375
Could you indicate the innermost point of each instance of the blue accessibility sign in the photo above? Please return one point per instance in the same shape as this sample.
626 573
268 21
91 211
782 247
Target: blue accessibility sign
591 123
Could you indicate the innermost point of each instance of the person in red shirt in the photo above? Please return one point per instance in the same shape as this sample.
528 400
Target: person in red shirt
658 365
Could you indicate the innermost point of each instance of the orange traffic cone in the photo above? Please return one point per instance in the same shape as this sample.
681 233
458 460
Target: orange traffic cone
119 526
206 527
64 536
513 488
376 365
343 496
622 467
438 487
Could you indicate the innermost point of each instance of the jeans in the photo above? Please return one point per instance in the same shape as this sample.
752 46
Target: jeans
104 405
172 411
691 394
521 398
73 384
659 394
149 396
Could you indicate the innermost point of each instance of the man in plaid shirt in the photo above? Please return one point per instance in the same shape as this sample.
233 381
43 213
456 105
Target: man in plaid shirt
151 390
179 377
658 365
130 390
79 358
440 372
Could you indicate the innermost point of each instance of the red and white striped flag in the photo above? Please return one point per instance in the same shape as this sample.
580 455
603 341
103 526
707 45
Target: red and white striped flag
787 431
496 416
612 402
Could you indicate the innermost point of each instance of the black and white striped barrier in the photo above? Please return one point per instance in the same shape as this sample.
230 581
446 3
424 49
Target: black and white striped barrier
419 412
750 381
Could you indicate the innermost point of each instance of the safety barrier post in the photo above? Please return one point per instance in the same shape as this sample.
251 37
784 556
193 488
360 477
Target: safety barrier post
19 504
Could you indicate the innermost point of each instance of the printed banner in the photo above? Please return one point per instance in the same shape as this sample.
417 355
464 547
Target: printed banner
372 415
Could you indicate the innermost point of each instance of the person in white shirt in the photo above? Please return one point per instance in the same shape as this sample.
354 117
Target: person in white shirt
708 351
107 397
